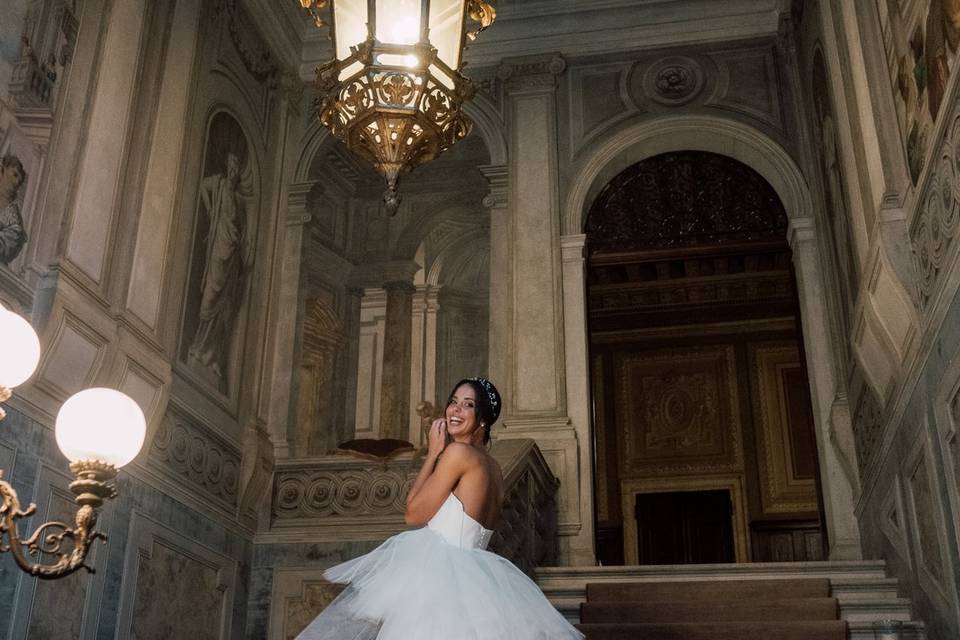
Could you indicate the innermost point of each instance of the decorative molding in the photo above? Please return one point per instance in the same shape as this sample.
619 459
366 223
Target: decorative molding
867 429
678 412
933 227
337 490
531 74
674 80
781 491
192 454
498 176
254 53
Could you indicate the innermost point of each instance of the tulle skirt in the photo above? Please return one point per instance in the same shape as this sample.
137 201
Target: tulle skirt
416 586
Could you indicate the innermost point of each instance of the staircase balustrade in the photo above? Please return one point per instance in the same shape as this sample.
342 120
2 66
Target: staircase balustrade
346 496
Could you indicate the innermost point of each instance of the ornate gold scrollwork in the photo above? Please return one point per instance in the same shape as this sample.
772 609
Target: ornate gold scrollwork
92 486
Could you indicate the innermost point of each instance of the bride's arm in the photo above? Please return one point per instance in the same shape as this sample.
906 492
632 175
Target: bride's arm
437 478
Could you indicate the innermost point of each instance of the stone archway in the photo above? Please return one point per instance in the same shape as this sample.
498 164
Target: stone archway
616 152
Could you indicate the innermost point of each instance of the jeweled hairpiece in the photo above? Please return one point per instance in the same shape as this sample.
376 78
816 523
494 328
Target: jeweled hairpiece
492 394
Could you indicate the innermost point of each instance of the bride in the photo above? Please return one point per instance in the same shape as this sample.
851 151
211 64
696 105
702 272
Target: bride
439 581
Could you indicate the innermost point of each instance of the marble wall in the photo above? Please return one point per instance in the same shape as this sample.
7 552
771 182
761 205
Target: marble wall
168 569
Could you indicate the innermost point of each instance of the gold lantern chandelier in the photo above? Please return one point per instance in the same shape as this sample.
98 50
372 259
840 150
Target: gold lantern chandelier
393 93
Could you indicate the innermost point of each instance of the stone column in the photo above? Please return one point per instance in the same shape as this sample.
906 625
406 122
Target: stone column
535 389
278 418
500 272
395 383
834 433
351 355
423 355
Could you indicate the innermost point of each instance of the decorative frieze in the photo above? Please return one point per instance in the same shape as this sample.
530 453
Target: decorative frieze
339 488
934 225
197 457
867 430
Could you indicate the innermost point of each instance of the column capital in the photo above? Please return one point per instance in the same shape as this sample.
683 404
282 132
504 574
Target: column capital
297 213
801 231
531 73
498 177
572 247
399 286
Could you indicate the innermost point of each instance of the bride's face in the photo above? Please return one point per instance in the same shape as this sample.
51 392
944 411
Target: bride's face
461 413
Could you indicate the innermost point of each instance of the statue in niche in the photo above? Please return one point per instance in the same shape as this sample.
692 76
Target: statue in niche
226 221
12 234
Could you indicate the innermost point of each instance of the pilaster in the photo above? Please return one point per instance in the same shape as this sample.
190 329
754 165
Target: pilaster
834 432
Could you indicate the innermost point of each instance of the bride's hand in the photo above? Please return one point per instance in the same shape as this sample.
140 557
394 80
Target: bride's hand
437 440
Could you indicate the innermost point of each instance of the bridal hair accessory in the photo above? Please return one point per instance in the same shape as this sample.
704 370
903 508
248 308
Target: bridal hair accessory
493 396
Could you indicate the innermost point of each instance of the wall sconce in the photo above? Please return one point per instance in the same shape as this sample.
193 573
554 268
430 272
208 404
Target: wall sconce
98 430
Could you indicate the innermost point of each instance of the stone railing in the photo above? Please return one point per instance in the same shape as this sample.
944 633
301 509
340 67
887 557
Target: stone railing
342 497
527 532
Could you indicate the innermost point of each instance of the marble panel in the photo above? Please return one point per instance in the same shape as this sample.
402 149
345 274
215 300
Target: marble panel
157 558
299 595
925 522
101 166
73 357
749 84
150 261
596 100
893 521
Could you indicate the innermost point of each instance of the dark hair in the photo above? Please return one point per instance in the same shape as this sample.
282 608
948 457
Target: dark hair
488 402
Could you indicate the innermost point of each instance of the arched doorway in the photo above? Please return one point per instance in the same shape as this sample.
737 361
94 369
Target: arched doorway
704 432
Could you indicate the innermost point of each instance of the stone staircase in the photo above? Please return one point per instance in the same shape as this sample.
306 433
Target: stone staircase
647 601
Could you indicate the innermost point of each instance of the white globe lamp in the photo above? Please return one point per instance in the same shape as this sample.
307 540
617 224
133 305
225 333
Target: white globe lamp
21 348
100 425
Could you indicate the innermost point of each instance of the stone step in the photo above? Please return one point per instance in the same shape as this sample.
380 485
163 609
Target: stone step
702 611
812 630
701 590
912 630
567 577
865 595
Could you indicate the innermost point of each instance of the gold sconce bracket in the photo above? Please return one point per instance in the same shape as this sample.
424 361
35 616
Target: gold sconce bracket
92 486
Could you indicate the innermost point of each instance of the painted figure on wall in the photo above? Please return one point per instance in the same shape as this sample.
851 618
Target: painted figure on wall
831 172
12 235
921 38
223 252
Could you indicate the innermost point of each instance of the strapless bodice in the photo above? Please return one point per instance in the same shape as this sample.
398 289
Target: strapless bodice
457 528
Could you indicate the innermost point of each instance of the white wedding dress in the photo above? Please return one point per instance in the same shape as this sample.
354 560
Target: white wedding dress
437 583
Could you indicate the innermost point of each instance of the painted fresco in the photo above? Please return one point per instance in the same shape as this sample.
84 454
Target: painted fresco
920 39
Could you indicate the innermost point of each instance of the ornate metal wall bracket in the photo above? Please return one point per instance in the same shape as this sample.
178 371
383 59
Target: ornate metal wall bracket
5 395
92 486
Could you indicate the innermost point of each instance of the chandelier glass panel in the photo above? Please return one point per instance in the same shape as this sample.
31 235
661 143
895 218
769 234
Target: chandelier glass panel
394 91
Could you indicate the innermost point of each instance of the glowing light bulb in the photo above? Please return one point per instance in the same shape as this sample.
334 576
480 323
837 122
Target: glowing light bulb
21 349
101 424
